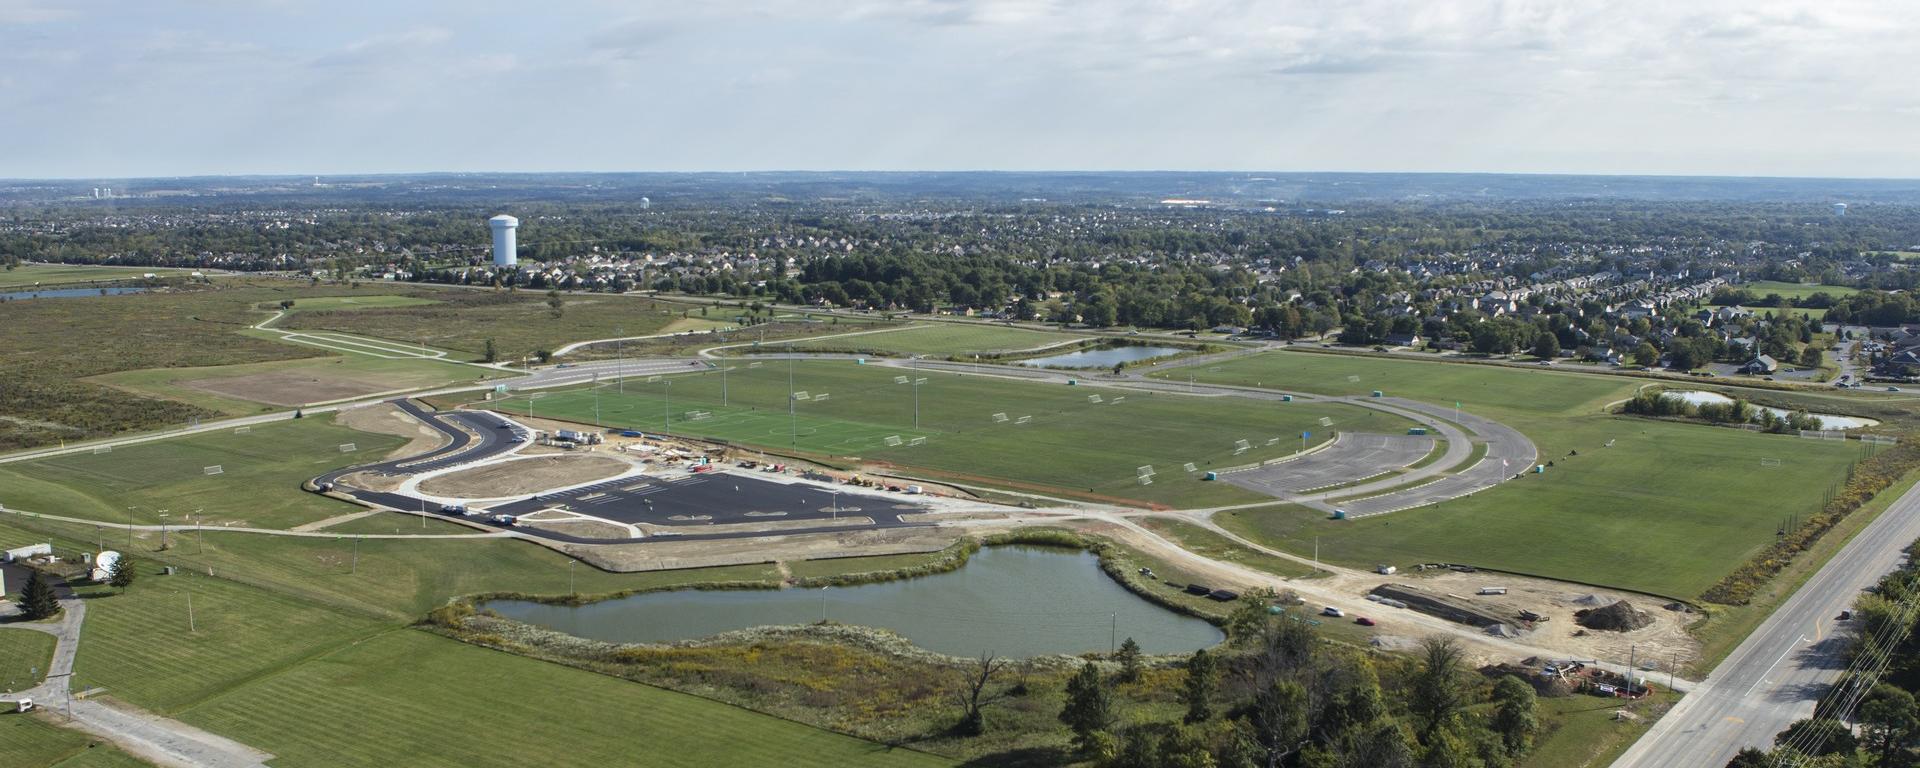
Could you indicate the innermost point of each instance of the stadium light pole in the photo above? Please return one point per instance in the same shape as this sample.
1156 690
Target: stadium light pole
793 428
620 356
669 413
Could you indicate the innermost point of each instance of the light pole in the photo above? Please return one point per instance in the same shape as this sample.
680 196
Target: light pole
571 590
130 525
163 530
669 413
836 505
620 356
793 426
596 401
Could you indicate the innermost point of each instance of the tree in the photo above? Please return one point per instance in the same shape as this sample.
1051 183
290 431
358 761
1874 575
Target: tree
1202 675
1818 736
1645 355
556 305
1089 708
1546 346
286 303
543 355
1447 750
36 598
122 573
1436 696
1513 714
492 354
973 696
1279 720
1129 658
1812 357
1890 726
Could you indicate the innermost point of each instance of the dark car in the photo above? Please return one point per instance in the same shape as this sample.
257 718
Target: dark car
1363 621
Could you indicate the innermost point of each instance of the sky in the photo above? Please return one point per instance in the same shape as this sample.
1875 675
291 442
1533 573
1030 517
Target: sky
119 89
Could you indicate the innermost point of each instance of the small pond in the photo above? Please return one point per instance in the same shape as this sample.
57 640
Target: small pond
1012 601
69 293
1101 357
1827 420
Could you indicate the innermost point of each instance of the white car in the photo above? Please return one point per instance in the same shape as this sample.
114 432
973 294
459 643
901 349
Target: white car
1332 611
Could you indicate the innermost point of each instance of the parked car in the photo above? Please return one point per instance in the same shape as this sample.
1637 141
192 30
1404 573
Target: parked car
1363 621
1332 611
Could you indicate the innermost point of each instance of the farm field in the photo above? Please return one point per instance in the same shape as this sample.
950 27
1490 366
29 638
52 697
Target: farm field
24 655
1669 508
49 275
1796 290
942 340
249 388
1069 445
258 485
519 322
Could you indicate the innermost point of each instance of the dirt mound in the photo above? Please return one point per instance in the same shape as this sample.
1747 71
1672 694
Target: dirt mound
1618 617
1592 601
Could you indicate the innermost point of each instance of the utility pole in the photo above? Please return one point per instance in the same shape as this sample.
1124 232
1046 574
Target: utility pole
669 413
723 384
571 589
354 567
1113 632
190 625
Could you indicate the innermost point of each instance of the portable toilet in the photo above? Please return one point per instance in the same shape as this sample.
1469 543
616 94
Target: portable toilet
1339 514
1539 469
1213 476
1378 393
859 361
1286 398
1073 382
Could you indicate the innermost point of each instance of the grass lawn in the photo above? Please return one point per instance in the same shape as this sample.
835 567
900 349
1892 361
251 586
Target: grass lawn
519 322
32 742
1796 290
943 340
392 522
239 390
390 701
1071 445
1669 509
26 275
1580 732
258 486
24 656
1214 546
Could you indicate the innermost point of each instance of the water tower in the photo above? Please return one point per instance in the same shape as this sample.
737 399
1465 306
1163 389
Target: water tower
505 249
1839 209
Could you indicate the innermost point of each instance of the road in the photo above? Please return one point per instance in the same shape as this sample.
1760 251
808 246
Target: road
1780 672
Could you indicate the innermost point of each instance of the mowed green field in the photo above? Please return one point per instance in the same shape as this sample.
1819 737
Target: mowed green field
259 483
941 340
444 703
1669 509
26 275
298 650
32 742
240 390
1796 290
1070 444
24 655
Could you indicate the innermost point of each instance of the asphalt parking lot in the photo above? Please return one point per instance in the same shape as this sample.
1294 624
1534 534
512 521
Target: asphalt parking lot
717 498
1354 456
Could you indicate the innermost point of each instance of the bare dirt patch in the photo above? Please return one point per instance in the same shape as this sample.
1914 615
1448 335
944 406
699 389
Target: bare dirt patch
373 481
285 388
523 476
388 419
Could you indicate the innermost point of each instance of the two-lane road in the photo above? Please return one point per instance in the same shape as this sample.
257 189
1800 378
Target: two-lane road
1780 672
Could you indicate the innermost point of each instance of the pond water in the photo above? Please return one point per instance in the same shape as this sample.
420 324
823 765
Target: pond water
68 293
1827 420
1012 601
1100 357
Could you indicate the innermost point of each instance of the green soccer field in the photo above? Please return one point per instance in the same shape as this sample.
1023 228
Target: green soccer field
1048 438
939 340
1796 290
258 482
75 275
1669 508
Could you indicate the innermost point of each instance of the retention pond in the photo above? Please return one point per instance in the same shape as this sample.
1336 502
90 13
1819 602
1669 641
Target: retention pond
1101 357
1012 601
